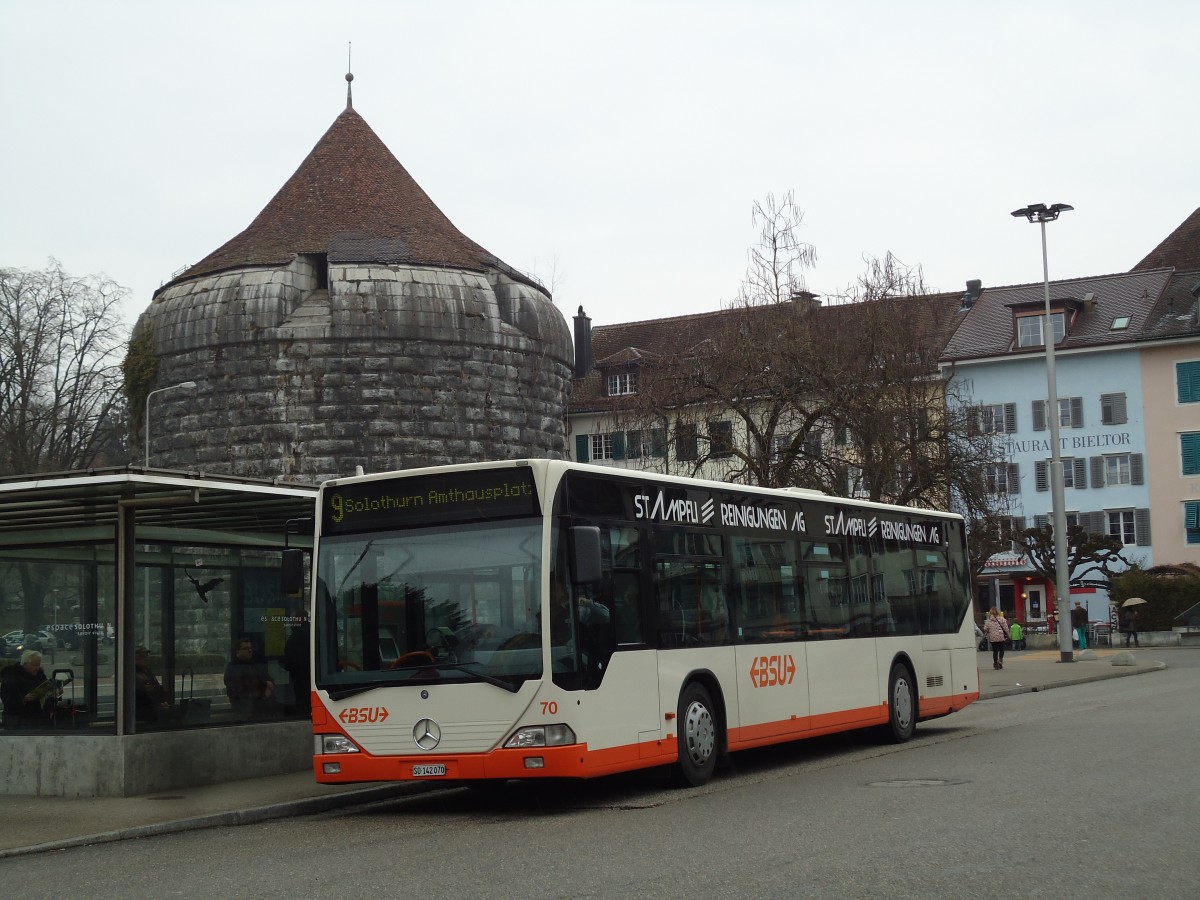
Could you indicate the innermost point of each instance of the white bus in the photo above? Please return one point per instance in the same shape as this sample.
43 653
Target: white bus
535 618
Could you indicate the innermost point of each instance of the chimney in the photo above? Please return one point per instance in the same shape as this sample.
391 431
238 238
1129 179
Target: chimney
974 292
806 301
583 344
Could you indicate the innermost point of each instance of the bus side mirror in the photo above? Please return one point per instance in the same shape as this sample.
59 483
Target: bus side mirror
585 554
291 573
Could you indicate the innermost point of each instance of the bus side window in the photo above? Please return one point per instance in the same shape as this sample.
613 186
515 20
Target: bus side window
627 612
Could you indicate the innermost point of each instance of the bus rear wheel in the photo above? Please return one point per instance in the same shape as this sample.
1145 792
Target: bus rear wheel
902 704
698 744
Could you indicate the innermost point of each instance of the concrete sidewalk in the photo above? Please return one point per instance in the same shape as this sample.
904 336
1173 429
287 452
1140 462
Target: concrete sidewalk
54 823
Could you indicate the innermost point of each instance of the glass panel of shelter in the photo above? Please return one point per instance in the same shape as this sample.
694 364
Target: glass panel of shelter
58 602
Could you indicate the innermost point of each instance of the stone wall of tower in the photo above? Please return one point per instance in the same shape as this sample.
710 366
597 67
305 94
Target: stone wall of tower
391 367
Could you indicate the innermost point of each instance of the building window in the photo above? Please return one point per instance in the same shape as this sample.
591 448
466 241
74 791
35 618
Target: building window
602 446
1119 323
1029 330
686 444
1070 413
1074 473
856 486
1191 521
1116 469
720 439
1121 525
623 383
1189 444
1003 478
1187 380
994 418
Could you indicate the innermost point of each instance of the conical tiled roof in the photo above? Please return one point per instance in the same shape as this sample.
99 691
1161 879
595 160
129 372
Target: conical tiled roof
352 199
1181 249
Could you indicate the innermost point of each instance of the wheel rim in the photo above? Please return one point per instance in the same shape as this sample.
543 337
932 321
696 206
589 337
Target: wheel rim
699 733
902 706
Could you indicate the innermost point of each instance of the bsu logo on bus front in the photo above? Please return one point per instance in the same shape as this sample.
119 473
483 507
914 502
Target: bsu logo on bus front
768 671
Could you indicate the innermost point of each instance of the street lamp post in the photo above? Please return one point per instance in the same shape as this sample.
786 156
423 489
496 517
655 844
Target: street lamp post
1041 213
182 386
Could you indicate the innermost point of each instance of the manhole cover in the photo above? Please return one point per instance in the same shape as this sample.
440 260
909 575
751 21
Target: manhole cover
917 782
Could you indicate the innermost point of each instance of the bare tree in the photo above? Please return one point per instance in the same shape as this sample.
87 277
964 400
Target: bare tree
1093 560
60 379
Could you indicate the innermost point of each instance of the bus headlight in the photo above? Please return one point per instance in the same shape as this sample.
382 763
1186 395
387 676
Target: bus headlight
333 743
541 736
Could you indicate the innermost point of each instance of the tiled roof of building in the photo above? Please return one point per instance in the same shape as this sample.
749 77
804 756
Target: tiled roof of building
1176 313
353 200
618 346
986 330
1180 249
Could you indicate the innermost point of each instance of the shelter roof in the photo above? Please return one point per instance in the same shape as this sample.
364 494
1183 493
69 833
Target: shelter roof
57 504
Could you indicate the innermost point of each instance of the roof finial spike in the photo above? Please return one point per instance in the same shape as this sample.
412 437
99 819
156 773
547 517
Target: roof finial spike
349 77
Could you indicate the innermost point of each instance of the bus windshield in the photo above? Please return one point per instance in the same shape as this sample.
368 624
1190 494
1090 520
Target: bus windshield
446 604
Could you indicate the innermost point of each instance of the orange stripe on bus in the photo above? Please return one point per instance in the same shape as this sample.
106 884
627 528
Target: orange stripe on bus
577 761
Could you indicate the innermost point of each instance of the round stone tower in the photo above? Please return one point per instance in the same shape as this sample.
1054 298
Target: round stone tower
351 324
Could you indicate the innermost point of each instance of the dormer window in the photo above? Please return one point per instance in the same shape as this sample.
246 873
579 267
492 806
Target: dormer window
622 384
1030 329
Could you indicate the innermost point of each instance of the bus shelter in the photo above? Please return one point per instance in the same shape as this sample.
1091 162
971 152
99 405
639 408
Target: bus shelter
172 657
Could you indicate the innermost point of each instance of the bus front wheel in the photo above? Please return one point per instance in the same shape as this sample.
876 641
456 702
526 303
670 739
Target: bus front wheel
902 704
698 744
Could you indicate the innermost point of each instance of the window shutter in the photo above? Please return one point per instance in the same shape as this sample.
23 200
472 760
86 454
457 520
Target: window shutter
1141 527
1080 473
1191 516
1041 475
583 446
1187 379
1137 473
1076 412
1097 471
1094 522
1189 445
1010 417
658 442
1014 479
1039 415
1112 409
618 445
1041 521
633 445
1018 524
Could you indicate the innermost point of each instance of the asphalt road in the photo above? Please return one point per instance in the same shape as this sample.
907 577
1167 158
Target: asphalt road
1087 791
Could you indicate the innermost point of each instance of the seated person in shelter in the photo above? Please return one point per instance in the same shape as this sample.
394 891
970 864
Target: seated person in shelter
251 690
26 692
151 700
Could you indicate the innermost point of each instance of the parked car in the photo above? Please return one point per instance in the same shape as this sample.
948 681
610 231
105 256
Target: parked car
16 642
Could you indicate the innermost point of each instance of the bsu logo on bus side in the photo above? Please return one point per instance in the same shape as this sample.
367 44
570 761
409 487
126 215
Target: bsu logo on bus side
769 671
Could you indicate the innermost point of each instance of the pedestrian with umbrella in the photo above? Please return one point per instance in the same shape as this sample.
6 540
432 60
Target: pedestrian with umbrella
1128 619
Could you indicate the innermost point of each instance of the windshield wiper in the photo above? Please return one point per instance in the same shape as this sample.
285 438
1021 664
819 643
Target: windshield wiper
483 676
343 693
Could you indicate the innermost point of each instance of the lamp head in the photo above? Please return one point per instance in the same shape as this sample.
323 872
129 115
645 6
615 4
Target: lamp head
1040 212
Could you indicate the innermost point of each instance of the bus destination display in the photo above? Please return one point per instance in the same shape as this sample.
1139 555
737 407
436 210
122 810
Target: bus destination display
429 500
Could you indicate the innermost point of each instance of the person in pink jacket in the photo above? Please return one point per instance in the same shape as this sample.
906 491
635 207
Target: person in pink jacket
996 630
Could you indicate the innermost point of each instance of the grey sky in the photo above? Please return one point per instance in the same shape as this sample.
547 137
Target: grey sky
613 149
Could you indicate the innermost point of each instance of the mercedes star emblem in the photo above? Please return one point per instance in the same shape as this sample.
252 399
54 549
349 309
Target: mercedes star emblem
427 734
